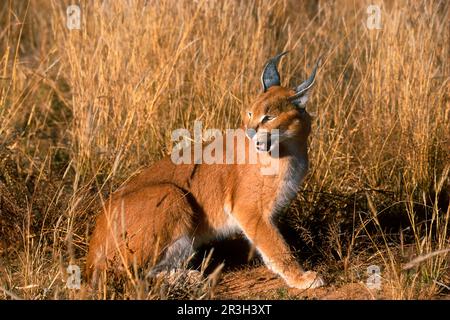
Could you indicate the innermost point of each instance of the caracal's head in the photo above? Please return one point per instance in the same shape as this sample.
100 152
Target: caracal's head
278 115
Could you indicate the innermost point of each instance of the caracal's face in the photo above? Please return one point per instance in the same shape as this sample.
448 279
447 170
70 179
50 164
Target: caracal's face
272 120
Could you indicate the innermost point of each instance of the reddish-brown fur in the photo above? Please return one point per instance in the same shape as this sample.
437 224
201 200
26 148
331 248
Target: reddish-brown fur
166 201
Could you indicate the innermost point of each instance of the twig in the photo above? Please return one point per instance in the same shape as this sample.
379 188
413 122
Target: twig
441 284
420 259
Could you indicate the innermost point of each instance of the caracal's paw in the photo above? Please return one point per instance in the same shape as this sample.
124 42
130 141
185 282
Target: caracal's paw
308 280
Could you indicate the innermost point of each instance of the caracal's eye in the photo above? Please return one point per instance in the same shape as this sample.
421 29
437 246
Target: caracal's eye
267 118
249 114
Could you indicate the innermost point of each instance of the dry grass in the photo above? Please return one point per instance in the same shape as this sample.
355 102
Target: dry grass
80 111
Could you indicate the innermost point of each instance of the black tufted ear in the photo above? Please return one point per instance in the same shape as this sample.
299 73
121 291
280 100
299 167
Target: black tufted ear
270 76
301 92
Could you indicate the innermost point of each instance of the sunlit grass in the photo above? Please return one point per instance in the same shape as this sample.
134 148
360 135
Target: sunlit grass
82 110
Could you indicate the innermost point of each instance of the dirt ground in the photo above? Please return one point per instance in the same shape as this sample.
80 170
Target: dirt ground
258 282
244 276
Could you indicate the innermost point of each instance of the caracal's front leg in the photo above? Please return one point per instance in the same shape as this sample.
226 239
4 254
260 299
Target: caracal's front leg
276 253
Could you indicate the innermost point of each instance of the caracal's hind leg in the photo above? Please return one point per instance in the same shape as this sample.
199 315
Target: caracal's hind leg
175 255
138 227
172 267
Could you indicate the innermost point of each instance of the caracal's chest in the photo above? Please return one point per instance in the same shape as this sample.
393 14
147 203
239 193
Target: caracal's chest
272 188
292 173
285 184
270 194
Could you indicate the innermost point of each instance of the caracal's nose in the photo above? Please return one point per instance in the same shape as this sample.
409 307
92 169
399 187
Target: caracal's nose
250 133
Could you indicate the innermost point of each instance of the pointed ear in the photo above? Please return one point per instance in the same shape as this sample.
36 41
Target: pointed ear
270 76
302 91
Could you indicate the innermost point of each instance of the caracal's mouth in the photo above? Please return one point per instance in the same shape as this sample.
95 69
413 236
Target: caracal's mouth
263 146
269 145
263 141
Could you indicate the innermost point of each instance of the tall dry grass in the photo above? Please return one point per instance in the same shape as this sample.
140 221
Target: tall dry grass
80 111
